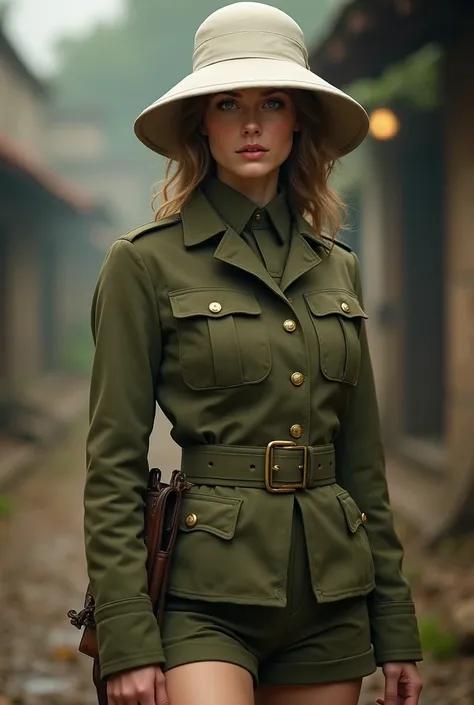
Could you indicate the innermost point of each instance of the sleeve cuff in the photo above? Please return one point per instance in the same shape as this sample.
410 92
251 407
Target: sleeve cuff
128 636
395 634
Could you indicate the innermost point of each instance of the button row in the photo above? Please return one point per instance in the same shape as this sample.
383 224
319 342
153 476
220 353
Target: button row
289 325
297 378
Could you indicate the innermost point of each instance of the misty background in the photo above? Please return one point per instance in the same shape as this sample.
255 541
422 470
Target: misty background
104 63
74 178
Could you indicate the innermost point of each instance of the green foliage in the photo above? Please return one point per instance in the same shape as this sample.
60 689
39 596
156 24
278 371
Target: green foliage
6 506
78 351
414 81
120 68
436 639
414 573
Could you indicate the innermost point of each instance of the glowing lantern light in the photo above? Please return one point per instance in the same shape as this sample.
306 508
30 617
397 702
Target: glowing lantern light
384 124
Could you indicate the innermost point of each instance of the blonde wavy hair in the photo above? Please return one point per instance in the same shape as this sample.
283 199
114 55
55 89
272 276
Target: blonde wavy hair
304 175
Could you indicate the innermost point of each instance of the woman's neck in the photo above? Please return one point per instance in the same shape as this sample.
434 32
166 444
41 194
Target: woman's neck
260 190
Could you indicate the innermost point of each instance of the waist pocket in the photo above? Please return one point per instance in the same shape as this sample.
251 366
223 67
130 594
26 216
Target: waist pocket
222 553
339 552
223 340
337 316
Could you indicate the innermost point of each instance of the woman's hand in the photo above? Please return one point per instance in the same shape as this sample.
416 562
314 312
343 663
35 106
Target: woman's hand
402 684
142 686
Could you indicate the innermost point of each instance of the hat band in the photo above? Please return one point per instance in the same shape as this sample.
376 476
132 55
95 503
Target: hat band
249 45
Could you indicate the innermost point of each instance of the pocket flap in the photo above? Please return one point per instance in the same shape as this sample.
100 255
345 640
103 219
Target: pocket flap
327 303
214 303
351 512
210 513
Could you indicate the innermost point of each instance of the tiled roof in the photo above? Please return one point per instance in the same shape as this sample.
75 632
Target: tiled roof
15 158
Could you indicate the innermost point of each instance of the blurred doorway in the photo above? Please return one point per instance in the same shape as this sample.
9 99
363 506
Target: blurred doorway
49 304
3 304
423 283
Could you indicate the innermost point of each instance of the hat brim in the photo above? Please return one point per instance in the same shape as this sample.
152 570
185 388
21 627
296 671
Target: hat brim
157 126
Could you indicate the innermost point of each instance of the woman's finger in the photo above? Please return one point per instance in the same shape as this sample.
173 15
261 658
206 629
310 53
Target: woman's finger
391 687
161 696
141 699
415 691
111 700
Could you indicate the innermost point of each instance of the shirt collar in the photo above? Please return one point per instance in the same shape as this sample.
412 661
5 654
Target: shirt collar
202 218
238 211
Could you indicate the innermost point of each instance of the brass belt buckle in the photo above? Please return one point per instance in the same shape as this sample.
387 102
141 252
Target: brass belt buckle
270 468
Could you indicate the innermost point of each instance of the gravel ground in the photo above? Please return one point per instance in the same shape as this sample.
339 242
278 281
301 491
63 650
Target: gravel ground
42 575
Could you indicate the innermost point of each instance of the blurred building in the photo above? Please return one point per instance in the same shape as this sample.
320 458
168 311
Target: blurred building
413 183
49 234
80 148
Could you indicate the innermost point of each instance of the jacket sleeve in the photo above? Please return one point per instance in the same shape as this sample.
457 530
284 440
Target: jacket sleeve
361 470
126 331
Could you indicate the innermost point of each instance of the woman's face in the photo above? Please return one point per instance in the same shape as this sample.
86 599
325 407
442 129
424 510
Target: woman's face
250 132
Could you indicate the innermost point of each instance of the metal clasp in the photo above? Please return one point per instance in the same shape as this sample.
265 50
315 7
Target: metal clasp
271 468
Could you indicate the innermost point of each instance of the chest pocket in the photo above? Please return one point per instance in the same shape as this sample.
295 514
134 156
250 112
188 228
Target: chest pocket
222 338
337 315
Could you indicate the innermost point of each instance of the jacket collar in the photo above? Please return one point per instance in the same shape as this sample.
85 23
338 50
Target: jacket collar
201 222
237 210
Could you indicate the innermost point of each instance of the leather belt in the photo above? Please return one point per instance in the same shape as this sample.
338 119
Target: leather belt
282 466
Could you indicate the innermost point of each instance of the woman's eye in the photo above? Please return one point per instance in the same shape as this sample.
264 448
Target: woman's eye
275 103
226 105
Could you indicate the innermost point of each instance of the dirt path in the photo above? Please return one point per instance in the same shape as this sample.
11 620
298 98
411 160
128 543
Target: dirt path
42 575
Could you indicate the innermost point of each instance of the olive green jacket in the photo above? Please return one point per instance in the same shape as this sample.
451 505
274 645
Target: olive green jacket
223 375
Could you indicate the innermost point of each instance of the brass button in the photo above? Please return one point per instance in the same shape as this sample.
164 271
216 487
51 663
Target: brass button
289 325
258 216
364 518
297 378
215 307
345 307
191 520
296 430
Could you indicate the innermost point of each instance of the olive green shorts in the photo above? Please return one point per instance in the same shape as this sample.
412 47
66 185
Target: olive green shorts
301 644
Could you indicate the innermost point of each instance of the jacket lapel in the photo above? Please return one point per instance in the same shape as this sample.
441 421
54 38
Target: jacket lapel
301 256
233 250
201 223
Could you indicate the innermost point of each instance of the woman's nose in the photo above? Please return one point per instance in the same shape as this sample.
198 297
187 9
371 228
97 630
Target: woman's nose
250 125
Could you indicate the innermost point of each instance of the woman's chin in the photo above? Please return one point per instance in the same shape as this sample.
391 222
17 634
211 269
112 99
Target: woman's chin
253 170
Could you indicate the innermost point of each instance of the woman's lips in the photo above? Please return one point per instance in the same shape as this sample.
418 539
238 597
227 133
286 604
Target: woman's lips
252 152
252 156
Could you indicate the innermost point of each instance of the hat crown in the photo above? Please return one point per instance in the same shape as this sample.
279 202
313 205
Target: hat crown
248 30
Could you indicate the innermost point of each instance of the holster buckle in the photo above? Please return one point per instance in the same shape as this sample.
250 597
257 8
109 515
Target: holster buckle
271 468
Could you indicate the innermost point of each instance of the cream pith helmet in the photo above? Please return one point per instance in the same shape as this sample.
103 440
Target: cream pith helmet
250 45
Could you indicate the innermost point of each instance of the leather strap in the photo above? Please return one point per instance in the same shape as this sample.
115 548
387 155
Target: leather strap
244 466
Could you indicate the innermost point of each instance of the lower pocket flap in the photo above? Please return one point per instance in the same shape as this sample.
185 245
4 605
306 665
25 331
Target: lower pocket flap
215 515
351 512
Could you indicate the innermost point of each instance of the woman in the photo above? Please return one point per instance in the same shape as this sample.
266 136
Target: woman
238 313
